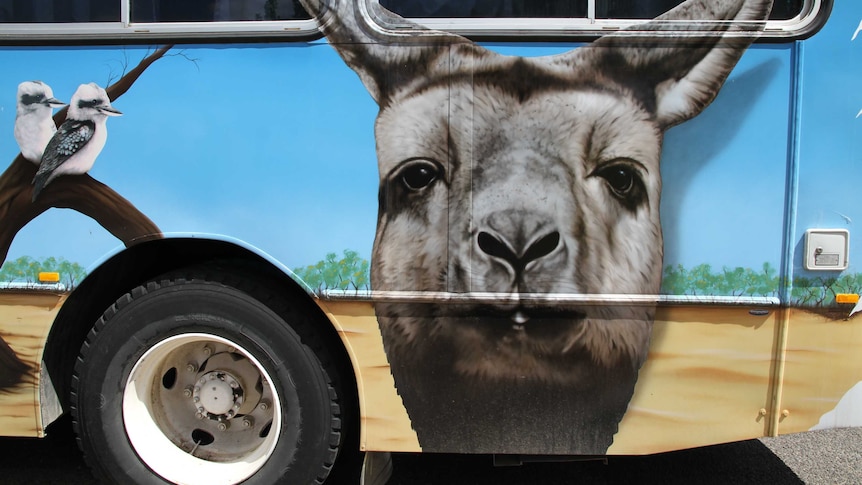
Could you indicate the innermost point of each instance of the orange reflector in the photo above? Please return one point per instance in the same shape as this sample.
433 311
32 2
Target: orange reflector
49 277
847 298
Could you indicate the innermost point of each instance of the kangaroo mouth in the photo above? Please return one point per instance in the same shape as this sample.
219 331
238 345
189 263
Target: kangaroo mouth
516 343
528 323
548 325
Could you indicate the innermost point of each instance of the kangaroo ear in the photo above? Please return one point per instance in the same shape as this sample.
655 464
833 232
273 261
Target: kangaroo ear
385 50
677 63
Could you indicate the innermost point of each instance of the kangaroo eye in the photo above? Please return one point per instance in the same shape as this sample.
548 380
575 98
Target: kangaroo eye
620 179
419 174
625 183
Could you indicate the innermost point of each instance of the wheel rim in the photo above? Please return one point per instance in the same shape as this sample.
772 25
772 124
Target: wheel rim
198 408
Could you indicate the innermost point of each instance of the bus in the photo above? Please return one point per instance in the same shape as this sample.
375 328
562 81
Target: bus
261 241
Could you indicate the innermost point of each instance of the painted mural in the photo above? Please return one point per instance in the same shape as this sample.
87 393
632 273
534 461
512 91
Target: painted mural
61 148
524 176
503 170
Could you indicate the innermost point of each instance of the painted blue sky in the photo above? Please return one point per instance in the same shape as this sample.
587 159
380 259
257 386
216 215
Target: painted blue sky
273 145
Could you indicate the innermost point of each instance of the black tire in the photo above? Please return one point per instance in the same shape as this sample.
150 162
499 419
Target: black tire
204 340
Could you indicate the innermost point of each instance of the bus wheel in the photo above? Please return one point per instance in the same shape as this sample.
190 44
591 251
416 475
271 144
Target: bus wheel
198 382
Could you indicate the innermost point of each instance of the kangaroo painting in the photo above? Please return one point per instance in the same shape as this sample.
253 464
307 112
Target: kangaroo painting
569 228
517 180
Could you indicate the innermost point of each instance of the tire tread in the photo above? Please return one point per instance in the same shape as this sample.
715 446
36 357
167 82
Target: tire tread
300 324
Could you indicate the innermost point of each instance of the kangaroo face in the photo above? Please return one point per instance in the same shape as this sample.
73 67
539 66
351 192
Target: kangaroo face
523 195
537 192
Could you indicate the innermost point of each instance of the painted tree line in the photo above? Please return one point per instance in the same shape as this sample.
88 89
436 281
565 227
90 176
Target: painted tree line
806 291
702 280
350 271
26 270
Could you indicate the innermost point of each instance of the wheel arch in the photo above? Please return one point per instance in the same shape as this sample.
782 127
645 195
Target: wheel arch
137 264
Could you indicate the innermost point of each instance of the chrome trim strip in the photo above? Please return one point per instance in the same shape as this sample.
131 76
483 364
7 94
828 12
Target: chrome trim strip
126 31
34 287
541 298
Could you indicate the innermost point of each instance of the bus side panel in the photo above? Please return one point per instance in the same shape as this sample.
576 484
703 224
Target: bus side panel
704 382
26 317
385 423
707 377
274 145
198 152
823 375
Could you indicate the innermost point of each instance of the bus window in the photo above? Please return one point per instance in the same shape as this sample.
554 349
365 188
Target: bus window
640 9
59 11
488 8
214 10
633 9
604 9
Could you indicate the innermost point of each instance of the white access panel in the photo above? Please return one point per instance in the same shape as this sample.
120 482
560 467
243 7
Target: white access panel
827 249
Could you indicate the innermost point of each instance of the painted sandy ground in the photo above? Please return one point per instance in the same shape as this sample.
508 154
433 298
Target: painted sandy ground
25 319
385 424
706 380
823 361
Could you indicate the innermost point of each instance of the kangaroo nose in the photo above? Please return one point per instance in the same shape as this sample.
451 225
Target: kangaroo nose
499 247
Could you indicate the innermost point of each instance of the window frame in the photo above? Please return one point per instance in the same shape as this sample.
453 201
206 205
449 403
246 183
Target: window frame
812 17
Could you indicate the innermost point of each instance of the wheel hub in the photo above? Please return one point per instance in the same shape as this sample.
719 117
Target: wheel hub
219 394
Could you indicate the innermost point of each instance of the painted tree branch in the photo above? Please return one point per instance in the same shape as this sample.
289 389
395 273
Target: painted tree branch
12 369
82 193
78 192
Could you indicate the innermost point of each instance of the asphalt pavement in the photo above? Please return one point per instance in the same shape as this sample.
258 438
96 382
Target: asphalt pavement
830 457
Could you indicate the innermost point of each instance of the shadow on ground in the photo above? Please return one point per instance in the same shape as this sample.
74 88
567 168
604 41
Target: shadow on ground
56 460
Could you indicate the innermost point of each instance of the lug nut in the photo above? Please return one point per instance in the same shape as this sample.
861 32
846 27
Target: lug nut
188 392
263 405
223 425
192 367
199 415
207 350
247 422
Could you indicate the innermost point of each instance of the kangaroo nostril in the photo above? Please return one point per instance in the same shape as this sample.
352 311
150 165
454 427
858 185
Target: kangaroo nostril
492 246
542 247
498 248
